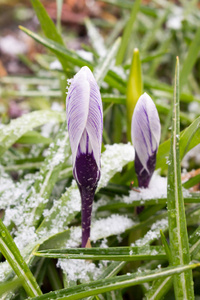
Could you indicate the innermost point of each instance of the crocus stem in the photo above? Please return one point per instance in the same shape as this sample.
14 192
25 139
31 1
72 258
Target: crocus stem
87 197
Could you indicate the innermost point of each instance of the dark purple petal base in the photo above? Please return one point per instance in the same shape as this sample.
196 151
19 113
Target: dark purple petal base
143 176
87 176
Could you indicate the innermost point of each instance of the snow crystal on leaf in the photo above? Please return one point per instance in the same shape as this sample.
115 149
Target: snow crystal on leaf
113 160
5 269
79 269
115 224
152 234
26 236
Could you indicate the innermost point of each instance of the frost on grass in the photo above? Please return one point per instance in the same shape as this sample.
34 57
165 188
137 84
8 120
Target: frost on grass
79 269
113 160
11 192
100 229
153 234
62 212
5 270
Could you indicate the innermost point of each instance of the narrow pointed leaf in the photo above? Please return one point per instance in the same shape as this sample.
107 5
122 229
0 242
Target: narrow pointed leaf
191 58
189 138
118 254
46 22
115 283
183 283
127 32
13 256
105 63
10 133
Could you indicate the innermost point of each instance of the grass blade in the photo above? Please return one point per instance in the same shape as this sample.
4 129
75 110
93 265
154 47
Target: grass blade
189 138
117 254
127 32
190 59
46 23
115 283
63 54
10 133
104 65
13 256
183 283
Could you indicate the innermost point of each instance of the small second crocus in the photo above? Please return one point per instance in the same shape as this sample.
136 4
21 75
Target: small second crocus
85 126
145 134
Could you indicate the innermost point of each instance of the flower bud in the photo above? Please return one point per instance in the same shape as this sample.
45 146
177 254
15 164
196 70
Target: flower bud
145 133
85 126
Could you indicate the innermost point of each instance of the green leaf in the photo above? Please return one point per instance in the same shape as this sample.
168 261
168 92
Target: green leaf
46 23
59 4
105 285
191 58
13 256
10 133
63 54
127 32
183 283
59 152
9 286
117 254
33 137
159 288
189 138
191 182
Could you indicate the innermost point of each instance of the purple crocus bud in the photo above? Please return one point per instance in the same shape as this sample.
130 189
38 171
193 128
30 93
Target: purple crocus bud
145 133
85 126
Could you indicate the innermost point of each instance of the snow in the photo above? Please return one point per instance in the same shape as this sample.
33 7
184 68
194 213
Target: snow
85 55
79 269
112 225
113 159
5 269
55 65
175 20
26 236
56 106
59 155
12 46
153 234
157 189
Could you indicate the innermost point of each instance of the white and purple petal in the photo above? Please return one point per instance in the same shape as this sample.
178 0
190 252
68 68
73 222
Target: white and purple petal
85 126
145 129
84 113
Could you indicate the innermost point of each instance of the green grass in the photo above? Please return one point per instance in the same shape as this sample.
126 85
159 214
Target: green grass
152 255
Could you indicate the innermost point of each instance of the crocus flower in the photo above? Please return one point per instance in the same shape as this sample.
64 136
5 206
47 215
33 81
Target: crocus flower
85 126
145 133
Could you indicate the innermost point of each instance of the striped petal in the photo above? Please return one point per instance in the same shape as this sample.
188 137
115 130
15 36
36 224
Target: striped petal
84 115
145 129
